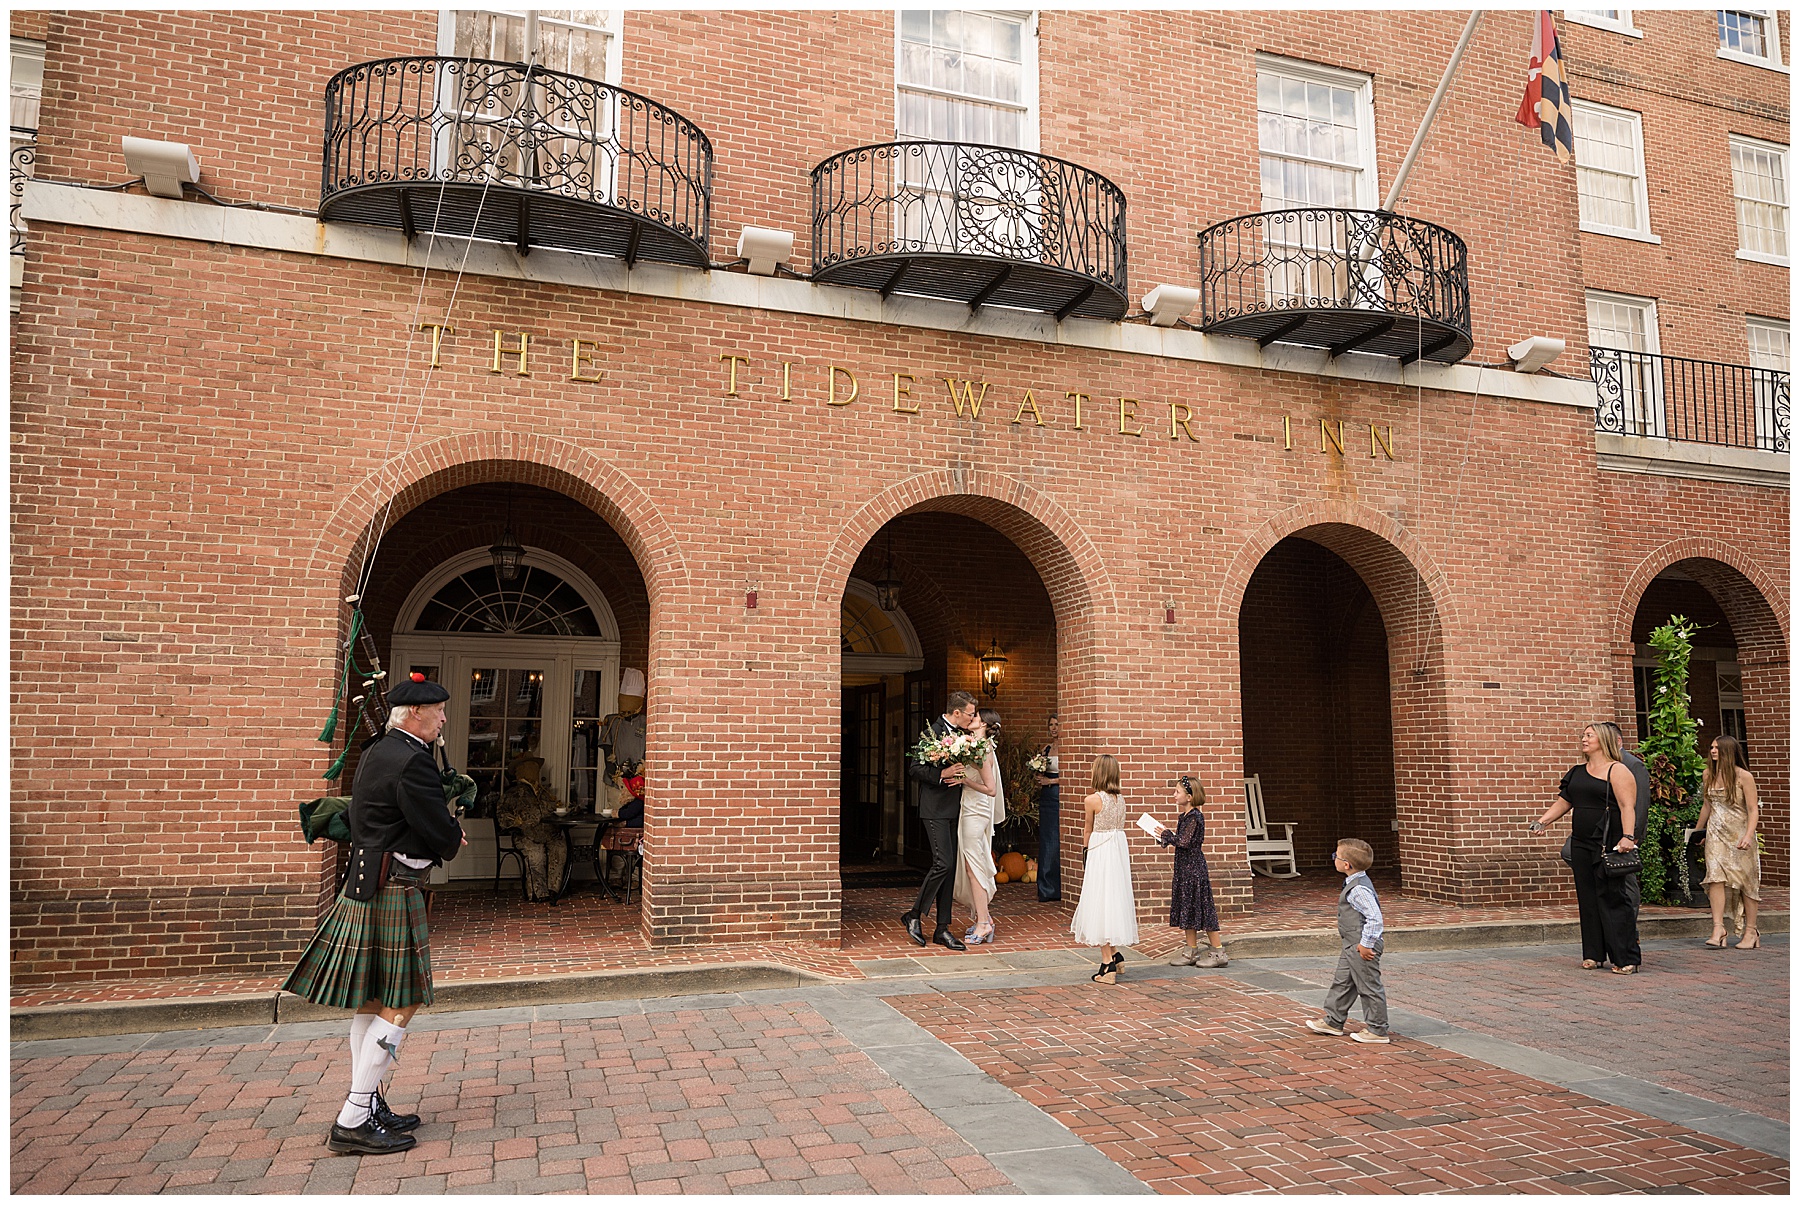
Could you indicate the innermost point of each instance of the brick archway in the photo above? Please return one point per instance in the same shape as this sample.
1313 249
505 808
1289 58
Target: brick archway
1758 612
1409 593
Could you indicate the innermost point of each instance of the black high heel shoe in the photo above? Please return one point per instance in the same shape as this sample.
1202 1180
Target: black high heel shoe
1108 972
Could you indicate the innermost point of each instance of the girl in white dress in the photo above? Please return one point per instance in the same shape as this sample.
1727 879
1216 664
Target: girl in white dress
1107 914
983 807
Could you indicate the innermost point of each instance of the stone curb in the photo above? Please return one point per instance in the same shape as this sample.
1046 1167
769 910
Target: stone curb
276 1007
272 1008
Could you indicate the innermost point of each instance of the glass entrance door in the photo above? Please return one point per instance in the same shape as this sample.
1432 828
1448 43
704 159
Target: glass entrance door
506 723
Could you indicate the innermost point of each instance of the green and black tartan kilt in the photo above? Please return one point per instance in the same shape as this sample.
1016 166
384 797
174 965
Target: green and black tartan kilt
378 950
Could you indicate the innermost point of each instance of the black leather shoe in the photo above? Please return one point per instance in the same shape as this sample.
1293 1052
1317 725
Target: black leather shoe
368 1139
914 930
948 940
392 1122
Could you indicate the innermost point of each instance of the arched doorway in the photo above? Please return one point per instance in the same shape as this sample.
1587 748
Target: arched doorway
533 664
1737 678
1341 681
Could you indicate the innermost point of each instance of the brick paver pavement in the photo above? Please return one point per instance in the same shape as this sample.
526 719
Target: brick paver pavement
751 1098
1711 1023
1205 1085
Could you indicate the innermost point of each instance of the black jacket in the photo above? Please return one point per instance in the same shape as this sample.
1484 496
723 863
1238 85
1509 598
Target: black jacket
936 801
397 804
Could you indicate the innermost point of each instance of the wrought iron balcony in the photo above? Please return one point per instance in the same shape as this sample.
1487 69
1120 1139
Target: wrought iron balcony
23 159
515 154
985 225
1669 397
1341 279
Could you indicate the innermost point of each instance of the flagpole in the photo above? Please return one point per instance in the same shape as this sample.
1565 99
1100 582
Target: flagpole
1431 110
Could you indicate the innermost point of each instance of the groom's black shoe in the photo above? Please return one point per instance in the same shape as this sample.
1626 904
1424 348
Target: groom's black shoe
914 929
948 940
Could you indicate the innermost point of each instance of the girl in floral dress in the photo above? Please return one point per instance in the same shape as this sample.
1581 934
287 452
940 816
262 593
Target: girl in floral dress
1191 907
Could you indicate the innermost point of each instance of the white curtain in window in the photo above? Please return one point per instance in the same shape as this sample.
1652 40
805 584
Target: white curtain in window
962 78
1607 154
1759 183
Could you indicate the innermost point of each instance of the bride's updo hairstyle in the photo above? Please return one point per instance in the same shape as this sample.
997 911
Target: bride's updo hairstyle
991 718
1106 774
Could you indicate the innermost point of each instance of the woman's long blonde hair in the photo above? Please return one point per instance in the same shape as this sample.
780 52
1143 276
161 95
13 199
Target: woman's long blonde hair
1730 761
1604 737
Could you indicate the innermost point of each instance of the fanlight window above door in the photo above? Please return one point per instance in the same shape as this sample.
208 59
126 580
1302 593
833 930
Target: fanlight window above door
540 604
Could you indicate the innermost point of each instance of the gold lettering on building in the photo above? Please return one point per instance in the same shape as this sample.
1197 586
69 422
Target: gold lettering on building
967 398
522 351
901 391
1287 432
787 381
731 377
437 330
1385 442
1325 435
576 356
1077 398
1028 402
1128 411
831 397
1180 416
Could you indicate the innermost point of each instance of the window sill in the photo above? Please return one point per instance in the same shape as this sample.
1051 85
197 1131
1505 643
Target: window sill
1627 30
1614 232
1750 60
1757 257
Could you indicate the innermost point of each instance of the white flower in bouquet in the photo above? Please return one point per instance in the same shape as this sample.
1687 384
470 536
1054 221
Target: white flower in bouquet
1039 764
962 747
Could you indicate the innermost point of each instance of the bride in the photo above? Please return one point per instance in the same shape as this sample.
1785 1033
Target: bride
983 807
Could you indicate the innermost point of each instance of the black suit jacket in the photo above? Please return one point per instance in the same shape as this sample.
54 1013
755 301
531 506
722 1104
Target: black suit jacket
936 801
397 802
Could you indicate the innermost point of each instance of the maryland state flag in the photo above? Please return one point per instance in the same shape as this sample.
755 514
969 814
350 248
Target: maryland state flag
1546 106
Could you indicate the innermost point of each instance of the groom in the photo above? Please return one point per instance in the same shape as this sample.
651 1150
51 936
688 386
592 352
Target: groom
940 808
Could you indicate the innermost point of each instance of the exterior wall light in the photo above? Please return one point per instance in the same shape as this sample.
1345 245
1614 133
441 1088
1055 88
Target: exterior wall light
508 556
165 166
993 665
887 590
1534 353
1169 304
765 249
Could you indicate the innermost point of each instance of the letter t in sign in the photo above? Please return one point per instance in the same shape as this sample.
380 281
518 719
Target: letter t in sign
731 381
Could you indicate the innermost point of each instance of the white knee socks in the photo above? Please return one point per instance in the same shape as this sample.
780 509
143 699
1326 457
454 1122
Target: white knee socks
380 1044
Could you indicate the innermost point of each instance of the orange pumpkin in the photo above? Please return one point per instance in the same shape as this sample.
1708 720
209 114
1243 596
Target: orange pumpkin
1001 877
1014 866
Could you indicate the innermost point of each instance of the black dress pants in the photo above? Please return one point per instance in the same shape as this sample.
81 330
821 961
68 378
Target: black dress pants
1049 883
1608 911
940 881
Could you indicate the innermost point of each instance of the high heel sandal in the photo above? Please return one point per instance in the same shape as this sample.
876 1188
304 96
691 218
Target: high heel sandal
1106 974
978 934
1710 944
1590 964
1751 940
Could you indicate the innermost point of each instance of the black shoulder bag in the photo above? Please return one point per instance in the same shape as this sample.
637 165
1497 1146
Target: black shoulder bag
1613 864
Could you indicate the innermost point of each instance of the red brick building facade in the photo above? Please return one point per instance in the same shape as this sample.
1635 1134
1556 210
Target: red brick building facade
1394 591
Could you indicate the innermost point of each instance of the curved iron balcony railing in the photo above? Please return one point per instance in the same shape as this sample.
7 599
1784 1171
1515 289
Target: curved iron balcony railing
1700 401
986 225
1342 279
515 154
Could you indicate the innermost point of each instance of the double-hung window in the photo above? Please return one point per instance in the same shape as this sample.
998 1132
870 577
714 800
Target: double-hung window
1315 129
1750 35
1769 373
969 78
568 146
1616 19
1627 325
1609 171
1759 186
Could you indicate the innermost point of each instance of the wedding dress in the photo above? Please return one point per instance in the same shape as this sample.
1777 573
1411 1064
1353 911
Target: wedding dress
975 836
1107 913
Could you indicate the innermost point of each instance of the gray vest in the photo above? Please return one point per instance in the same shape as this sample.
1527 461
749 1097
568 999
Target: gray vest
1350 921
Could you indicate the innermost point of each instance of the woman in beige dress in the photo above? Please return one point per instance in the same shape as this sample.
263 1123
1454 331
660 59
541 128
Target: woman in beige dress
1733 875
983 807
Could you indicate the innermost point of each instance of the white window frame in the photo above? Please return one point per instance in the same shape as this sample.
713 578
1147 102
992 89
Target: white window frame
1028 73
1763 387
1759 256
1593 19
1642 233
615 52
1650 417
1772 61
1368 183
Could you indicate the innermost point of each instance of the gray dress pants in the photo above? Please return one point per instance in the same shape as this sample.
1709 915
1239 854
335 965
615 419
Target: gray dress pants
1356 978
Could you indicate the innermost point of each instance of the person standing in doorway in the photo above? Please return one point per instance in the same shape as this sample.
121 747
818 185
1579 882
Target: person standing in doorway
940 810
1049 781
372 951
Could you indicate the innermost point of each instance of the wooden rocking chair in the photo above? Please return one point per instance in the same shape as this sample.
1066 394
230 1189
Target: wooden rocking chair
1267 853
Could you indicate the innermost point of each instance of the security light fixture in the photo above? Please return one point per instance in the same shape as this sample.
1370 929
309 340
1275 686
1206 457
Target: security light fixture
165 166
1169 304
765 249
993 665
1529 355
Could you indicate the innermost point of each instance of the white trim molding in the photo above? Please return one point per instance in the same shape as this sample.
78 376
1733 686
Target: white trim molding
60 206
1645 454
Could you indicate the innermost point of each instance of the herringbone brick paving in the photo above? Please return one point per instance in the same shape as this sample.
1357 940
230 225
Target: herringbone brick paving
1203 1085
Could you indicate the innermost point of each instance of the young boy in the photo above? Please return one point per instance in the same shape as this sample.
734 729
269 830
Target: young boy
1359 966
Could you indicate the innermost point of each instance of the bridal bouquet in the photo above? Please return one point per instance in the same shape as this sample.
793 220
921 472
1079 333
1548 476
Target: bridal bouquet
1039 764
961 747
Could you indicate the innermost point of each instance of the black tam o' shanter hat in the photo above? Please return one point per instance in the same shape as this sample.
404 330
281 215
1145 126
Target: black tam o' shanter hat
417 693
